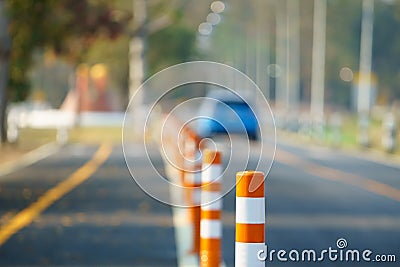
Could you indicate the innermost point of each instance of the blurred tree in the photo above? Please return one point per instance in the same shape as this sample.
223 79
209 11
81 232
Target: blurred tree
386 50
80 31
68 27
4 55
343 33
343 48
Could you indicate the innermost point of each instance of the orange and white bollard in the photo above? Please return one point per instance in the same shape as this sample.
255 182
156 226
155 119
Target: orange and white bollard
250 218
210 223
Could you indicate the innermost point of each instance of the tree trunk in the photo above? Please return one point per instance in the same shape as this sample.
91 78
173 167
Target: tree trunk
3 100
4 57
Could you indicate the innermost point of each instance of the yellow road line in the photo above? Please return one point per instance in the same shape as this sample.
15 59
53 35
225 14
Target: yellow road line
339 176
27 215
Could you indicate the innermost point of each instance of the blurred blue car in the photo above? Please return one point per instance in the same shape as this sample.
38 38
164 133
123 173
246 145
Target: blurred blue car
223 112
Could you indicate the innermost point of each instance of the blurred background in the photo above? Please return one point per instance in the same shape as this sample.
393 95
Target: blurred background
68 68
328 69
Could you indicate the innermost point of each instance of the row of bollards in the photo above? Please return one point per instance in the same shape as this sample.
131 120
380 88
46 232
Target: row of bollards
202 179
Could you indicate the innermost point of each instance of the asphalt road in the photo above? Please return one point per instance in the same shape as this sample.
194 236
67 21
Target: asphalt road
106 220
316 196
100 217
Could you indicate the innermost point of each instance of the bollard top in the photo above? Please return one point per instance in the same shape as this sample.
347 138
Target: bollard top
250 184
211 156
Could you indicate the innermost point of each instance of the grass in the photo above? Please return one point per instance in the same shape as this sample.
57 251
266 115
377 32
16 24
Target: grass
32 138
96 135
349 134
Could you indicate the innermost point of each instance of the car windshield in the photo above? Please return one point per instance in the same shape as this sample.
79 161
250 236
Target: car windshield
237 105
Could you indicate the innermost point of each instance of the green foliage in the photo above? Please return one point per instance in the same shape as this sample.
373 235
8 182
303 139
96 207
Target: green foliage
386 50
343 29
169 46
343 47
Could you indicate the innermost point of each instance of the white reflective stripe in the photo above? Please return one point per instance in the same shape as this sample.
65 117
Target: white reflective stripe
213 198
196 196
189 165
197 178
193 178
190 146
212 173
198 156
246 254
189 177
210 229
250 210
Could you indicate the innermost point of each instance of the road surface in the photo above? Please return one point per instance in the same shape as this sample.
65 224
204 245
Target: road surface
80 206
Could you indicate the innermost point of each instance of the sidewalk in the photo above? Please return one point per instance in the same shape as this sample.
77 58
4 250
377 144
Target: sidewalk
29 141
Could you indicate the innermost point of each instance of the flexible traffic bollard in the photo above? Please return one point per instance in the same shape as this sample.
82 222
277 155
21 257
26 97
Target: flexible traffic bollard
250 218
192 182
210 222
